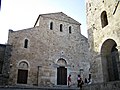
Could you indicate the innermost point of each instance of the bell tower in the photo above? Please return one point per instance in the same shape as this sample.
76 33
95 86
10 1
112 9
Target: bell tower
103 25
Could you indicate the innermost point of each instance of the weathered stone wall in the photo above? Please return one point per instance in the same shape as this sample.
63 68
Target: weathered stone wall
103 86
98 35
46 47
5 51
2 52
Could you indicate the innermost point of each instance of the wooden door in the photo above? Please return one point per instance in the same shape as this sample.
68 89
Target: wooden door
61 76
22 76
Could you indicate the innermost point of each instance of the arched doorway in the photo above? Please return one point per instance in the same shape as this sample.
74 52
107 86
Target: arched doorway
22 73
61 72
110 57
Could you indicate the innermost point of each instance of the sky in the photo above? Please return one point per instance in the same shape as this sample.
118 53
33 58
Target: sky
0 4
22 14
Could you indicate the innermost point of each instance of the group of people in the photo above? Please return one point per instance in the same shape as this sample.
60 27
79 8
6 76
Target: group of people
79 80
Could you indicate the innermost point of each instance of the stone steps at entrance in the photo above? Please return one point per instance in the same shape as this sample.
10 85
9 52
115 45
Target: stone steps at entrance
115 85
37 88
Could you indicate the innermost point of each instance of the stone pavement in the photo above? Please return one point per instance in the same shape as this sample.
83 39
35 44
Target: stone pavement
115 85
38 88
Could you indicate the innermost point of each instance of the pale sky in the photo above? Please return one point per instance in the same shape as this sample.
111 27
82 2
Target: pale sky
22 14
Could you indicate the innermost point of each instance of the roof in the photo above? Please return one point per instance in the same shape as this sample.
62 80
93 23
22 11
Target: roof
58 16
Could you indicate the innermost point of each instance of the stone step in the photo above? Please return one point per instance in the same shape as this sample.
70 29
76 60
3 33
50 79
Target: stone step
37 88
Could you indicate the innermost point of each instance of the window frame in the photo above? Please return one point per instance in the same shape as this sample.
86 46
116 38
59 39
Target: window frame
104 19
70 29
51 25
26 43
61 28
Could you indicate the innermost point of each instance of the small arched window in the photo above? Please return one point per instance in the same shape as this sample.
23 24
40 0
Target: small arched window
25 43
70 29
51 25
61 27
104 20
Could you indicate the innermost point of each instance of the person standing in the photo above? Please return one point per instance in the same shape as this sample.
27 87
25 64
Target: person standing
86 82
81 83
69 80
78 80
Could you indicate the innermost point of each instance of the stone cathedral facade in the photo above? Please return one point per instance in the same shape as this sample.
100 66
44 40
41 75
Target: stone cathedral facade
47 53
103 23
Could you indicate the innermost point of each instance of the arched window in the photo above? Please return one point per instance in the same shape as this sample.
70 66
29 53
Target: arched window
51 25
61 27
104 20
70 29
25 43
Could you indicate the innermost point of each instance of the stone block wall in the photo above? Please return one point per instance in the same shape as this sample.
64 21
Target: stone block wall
46 47
98 35
5 54
103 86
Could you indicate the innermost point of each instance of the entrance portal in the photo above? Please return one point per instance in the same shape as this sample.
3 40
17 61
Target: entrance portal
110 57
61 76
22 76
22 72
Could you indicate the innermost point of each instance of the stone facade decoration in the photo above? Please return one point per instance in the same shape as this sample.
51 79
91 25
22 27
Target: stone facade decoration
47 53
103 25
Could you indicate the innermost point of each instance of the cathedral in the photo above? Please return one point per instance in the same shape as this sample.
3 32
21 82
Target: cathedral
54 48
48 52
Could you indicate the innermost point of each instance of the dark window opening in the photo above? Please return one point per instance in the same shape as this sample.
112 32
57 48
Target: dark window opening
104 20
26 43
61 27
70 29
1 65
51 26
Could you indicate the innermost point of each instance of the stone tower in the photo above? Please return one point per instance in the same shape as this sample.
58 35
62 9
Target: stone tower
103 24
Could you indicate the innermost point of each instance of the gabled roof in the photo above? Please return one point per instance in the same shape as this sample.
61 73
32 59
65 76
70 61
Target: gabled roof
58 16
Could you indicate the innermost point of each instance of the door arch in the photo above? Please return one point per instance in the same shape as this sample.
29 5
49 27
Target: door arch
61 72
110 57
22 73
